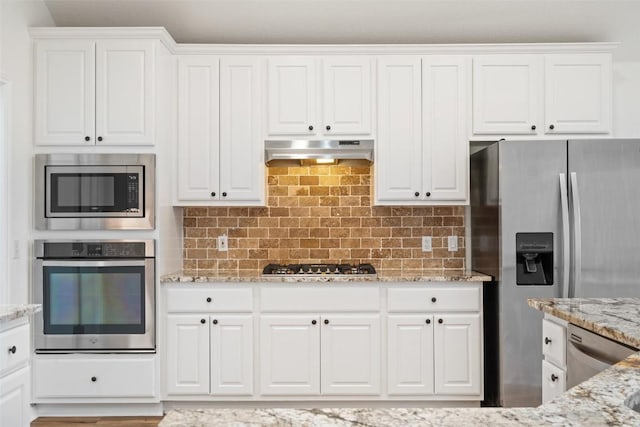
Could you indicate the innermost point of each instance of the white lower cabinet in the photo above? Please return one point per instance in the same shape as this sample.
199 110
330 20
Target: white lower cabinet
554 351
410 354
188 354
15 398
554 381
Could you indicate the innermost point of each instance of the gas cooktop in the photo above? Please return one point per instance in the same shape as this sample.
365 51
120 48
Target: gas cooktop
318 269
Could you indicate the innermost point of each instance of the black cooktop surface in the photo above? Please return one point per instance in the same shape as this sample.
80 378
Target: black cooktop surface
318 269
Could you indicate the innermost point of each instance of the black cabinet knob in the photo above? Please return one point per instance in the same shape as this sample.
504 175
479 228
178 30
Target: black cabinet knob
552 127
554 377
440 321
215 321
428 321
326 321
99 138
328 127
547 340
314 321
417 194
94 379
13 349
310 127
209 299
203 321
87 138
434 299
428 193
224 194
213 194
533 127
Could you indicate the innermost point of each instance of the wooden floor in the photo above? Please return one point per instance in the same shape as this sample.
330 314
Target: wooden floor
96 421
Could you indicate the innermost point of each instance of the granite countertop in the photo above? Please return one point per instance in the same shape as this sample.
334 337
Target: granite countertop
412 276
9 312
598 401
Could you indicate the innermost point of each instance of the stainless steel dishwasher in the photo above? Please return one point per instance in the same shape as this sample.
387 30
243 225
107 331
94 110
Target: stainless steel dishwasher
589 353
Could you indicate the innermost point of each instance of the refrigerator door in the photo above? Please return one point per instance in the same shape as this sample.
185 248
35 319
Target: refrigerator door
607 233
530 202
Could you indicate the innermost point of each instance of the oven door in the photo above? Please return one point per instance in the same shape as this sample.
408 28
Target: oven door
94 305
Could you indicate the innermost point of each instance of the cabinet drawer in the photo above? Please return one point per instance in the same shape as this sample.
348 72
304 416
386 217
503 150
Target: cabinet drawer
103 376
434 299
320 299
208 299
554 342
553 381
14 347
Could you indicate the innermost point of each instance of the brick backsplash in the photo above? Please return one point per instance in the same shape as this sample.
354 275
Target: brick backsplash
321 214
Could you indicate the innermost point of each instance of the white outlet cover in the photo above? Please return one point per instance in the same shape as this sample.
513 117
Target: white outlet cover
426 244
452 243
223 244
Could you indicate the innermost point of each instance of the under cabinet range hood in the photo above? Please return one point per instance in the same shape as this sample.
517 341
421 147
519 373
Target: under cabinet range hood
322 151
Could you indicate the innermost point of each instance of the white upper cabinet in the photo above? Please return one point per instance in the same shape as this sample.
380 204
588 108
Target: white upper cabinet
578 93
300 88
541 95
422 147
95 92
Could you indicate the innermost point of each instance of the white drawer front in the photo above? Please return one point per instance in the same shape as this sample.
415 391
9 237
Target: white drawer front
320 299
553 381
209 300
554 343
434 299
14 347
108 376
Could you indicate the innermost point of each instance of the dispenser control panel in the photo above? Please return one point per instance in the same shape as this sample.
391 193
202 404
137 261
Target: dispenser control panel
534 259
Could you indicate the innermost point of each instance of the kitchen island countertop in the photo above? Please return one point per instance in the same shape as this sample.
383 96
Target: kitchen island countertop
9 312
596 402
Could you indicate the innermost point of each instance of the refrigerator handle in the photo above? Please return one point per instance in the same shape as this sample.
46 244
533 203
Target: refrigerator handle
566 244
577 235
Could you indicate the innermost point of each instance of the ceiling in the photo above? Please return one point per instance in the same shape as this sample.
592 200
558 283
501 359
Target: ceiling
368 21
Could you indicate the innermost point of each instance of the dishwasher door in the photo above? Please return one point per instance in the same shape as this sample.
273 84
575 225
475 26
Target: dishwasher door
589 353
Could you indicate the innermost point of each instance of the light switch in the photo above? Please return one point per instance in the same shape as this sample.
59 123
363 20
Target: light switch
426 244
453 243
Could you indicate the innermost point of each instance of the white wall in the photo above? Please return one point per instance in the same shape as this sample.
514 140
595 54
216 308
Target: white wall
15 47
626 99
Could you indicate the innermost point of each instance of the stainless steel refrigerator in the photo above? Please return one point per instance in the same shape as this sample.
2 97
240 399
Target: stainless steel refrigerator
549 219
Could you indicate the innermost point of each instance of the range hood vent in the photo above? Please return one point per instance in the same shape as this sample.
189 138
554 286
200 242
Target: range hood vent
295 151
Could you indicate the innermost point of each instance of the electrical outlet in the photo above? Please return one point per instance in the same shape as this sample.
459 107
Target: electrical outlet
426 244
223 243
452 243
16 249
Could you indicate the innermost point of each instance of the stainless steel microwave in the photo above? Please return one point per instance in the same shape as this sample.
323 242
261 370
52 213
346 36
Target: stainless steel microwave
95 191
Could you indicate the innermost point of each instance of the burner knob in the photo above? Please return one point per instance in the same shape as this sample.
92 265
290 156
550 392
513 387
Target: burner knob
337 270
300 271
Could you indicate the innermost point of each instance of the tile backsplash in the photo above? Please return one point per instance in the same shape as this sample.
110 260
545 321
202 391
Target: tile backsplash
321 214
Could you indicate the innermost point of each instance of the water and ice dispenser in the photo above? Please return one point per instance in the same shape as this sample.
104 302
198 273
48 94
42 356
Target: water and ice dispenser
534 258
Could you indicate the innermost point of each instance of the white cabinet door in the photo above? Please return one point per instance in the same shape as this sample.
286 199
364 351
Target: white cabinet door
231 355
410 354
241 144
65 92
505 94
347 95
445 145
15 399
198 131
398 165
457 364
125 81
554 381
292 96
578 93
187 366
350 360
290 355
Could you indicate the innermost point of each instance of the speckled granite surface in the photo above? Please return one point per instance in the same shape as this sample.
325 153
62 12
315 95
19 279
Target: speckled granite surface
413 276
9 312
599 401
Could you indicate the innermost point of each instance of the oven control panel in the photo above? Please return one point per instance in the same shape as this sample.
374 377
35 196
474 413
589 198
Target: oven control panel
94 249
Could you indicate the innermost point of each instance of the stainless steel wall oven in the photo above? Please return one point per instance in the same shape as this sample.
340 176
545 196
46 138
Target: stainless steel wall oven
95 295
94 191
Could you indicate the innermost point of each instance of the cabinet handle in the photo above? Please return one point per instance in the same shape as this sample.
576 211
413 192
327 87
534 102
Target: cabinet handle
310 127
554 377
433 299
328 127
203 321
533 127
428 321
547 340
87 138
215 321
417 194
314 321
224 194
428 193
552 127
440 321
208 299
13 349
94 379
99 138
326 321
213 194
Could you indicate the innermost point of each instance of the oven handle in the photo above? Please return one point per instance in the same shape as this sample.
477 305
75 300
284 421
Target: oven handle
85 263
